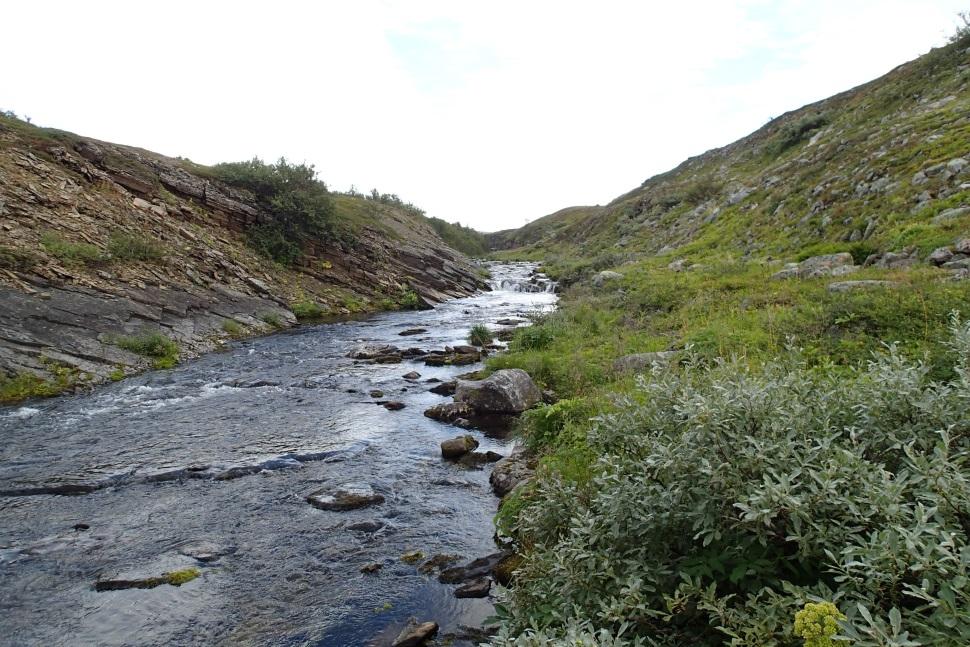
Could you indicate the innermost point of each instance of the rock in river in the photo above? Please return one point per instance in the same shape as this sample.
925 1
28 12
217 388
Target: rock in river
373 351
449 411
394 405
458 447
475 589
507 391
349 496
415 634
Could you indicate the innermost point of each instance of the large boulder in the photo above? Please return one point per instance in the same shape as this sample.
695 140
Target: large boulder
514 469
510 390
603 277
415 634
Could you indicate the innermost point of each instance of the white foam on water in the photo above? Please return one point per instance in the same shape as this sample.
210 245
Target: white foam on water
23 412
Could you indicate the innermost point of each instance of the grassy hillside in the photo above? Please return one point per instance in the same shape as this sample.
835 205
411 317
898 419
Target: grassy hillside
748 451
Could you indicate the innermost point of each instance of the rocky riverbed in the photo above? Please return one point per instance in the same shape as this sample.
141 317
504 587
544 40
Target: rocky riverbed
277 493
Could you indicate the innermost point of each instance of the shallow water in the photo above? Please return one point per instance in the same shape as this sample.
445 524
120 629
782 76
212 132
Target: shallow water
224 450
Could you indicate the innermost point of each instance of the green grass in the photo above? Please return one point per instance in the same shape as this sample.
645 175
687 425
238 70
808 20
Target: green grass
271 319
480 335
233 328
12 258
131 247
163 351
71 253
307 310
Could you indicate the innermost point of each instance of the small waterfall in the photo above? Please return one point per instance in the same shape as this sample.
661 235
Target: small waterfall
532 282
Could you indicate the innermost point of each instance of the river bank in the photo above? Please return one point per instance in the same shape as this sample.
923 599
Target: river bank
216 458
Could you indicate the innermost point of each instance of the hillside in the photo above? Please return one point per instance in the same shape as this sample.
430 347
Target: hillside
863 171
113 259
763 365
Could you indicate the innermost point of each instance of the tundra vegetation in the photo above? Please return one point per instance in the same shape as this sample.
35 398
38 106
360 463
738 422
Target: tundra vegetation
786 463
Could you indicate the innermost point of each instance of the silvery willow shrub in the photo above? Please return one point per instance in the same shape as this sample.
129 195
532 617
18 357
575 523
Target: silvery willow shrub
725 498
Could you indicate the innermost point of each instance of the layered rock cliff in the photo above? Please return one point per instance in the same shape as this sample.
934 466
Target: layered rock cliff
72 290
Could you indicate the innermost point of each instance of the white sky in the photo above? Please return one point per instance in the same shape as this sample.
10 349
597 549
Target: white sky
488 113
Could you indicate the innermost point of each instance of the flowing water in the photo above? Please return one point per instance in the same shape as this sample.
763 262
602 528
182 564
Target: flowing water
218 456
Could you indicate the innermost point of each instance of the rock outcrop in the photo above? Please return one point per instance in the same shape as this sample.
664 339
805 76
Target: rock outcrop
67 294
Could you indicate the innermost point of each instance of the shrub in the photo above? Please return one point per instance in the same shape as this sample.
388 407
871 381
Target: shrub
271 319
307 310
798 131
232 327
70 253
480 335
131 247
410 300
298 204
12 258
163 351
724 499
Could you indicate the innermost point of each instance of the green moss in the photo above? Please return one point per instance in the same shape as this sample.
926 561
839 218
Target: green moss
180 577
71 253
233 328
131 247
307 310
163 351
271 319
117 374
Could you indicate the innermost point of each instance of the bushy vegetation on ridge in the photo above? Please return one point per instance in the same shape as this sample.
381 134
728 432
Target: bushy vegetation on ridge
299 204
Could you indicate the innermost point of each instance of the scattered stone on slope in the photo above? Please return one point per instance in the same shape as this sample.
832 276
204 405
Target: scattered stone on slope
638 362
600 278
849 286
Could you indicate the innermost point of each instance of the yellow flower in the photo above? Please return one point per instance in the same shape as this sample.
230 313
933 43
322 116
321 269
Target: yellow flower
817 623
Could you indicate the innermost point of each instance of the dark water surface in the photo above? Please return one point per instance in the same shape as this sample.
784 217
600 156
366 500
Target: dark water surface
277 413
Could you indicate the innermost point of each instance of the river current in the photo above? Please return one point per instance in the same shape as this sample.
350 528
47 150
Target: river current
217 457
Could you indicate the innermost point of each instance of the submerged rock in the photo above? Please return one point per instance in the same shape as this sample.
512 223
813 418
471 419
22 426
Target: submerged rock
349 496
394 405
369 569
174 578
412 331
413 375
477 588
205 551
474 569
505 391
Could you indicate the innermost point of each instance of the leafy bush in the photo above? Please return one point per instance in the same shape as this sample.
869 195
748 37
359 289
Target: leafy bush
410 300
724 499
465 239
131 247
480 335
298 203
163 351
70 253
795 133
307 310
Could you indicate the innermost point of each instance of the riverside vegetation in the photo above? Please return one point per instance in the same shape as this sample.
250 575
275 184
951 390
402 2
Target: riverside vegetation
747 452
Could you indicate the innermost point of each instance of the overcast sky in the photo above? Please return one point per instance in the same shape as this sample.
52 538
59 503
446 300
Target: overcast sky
488 113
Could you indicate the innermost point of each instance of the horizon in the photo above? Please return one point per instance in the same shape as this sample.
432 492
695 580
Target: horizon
440 104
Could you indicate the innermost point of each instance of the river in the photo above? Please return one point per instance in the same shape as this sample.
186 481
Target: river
130 481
